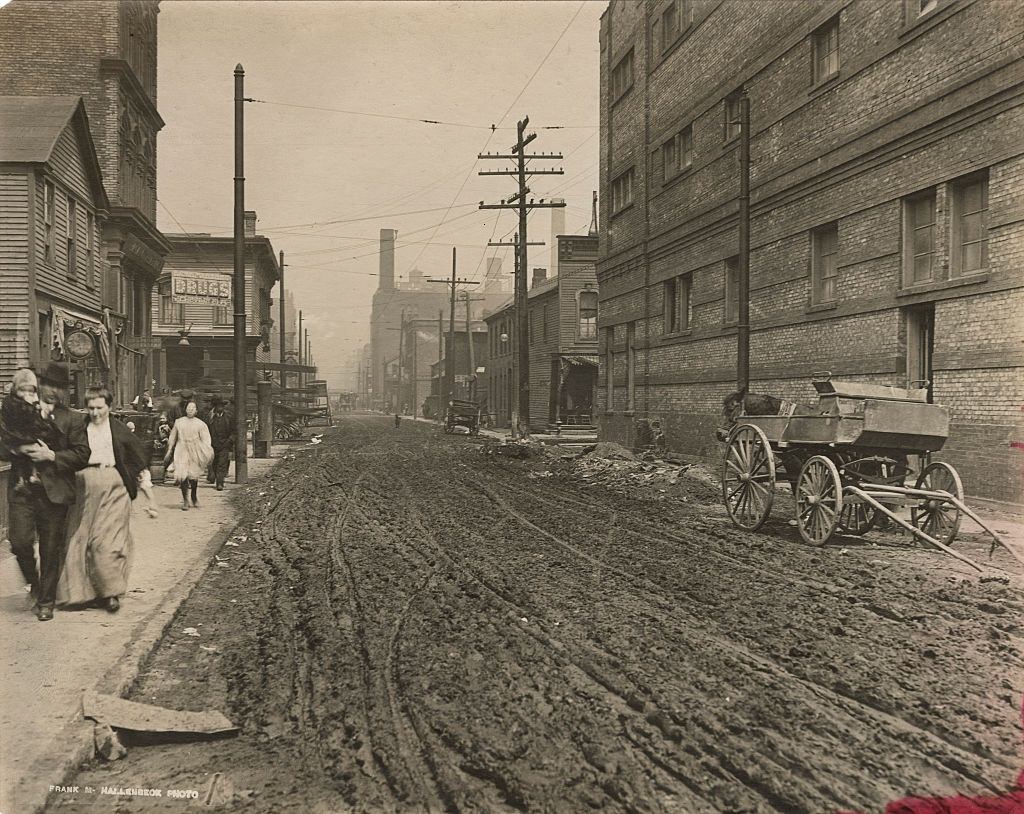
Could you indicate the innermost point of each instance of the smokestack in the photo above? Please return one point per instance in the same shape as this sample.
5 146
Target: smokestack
249 223
386 277
557 228
539 276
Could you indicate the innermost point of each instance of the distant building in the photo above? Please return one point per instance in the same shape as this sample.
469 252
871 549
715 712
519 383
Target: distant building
416 298
52 209
886 236
105 52
193 315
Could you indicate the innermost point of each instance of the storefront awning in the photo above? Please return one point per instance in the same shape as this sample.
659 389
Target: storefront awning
580 360
64 318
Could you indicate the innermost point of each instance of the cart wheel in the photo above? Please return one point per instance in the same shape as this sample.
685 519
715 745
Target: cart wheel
819 500
857 518
748 477
938 518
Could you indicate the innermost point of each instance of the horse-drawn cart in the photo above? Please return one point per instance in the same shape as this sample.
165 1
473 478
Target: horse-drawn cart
847 464
462 413
289 420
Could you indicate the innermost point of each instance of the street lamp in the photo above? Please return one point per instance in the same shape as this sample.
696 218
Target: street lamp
183 333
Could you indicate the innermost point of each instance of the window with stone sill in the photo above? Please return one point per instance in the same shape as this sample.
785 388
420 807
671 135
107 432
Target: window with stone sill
677 153
825 49
622 75
732 284
824 263
968 250
919 260
677 307
622 191
732 115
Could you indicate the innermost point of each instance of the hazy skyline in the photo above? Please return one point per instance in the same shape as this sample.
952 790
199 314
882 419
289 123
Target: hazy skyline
323 182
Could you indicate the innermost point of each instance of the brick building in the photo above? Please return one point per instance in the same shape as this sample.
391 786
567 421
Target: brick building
886 229
194 297
105 52
562 338
52 207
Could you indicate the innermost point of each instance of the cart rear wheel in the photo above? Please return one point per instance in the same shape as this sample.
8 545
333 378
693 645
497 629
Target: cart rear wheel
938 518
857 518
748 477
819 500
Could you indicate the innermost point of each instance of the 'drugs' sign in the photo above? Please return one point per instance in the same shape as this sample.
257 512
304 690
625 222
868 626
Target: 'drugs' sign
201 287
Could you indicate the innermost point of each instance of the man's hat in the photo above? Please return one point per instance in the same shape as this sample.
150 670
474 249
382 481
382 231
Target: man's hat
187 393
57 374
217 401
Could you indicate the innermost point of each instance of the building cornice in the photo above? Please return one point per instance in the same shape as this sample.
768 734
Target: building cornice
124 71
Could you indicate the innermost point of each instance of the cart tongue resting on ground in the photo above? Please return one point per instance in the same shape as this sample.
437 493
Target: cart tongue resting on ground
847 462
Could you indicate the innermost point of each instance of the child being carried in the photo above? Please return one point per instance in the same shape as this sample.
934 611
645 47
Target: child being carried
21 423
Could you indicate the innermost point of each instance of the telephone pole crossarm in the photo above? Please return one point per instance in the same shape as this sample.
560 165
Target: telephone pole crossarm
516 172
513 157
530 205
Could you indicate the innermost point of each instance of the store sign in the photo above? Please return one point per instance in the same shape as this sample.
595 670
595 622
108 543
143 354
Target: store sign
197 287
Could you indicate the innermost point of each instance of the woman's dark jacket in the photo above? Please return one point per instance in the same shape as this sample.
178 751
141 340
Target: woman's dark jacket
129 455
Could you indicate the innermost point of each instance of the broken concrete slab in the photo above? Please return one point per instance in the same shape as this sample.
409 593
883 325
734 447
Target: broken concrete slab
122 714
108 745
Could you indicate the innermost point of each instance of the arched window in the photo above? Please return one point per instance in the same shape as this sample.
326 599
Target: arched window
588 314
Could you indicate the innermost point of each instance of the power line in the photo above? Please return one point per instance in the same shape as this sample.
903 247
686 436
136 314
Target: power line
490 127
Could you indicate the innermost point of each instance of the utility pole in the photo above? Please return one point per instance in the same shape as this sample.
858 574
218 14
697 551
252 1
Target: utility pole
440 357
238 283
521 357
280 332
743 272
449 368
298 347
415 366
469 339
401 348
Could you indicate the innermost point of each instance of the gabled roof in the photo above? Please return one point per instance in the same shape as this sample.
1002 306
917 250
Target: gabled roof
30 127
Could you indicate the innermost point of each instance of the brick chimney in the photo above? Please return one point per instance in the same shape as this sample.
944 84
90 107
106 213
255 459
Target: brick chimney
386 275
249 223
539 276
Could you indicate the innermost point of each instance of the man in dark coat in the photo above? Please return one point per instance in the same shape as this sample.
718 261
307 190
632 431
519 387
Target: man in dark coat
43 509
222 437
178 410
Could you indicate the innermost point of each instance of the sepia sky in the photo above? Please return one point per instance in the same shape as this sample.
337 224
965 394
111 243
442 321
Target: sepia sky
324 182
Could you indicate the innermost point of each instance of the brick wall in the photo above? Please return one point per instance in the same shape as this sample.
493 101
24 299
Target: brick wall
916 105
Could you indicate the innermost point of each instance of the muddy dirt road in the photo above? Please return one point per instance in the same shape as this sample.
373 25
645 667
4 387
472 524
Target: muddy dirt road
412 625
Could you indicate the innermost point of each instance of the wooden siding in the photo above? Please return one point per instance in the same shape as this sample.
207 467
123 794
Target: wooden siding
201 316
66 169
14 278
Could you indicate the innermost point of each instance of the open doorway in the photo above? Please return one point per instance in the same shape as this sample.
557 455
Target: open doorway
920 327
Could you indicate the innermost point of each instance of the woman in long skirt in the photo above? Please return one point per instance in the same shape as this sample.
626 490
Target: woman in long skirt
192 452
99 554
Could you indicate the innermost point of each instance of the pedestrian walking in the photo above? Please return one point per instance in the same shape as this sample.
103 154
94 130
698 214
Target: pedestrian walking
398 420
181 400
100 547
42 509
190 446
222 437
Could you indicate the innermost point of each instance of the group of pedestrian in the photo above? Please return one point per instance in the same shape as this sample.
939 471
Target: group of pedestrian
73 479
